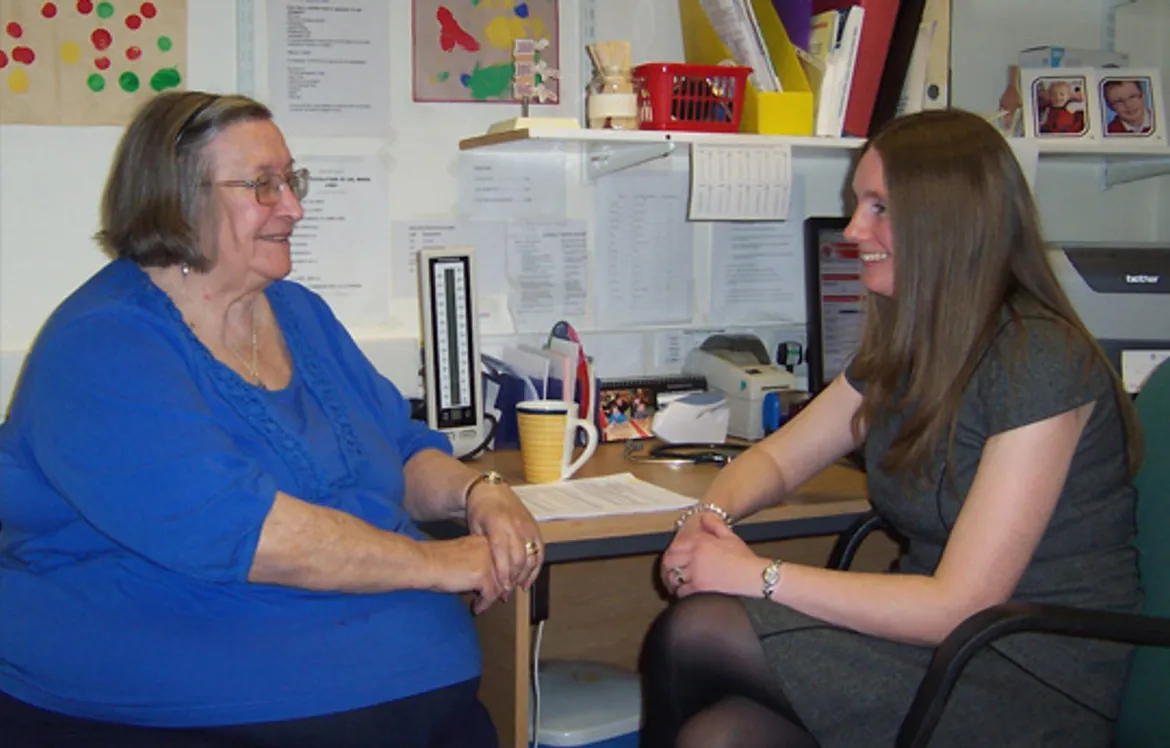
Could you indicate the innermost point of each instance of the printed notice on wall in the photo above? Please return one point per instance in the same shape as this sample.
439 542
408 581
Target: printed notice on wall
546 273
329 66
341 247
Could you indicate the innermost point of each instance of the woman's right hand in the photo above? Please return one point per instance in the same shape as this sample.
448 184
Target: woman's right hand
464 565
683 539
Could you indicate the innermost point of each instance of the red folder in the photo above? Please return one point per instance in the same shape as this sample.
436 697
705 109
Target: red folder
877 29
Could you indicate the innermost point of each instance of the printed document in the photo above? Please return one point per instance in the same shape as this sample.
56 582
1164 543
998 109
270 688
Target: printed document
757 269
329 67
740 182
339 247
644 251
598 497
546 265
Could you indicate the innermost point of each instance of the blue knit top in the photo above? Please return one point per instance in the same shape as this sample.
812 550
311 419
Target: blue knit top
136 471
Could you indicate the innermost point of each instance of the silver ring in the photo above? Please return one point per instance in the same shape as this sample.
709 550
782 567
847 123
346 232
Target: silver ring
678 576
531 548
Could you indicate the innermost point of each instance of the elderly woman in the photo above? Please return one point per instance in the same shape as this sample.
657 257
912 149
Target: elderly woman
210 495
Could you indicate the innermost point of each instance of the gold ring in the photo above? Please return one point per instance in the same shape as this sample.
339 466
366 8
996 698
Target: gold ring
531 548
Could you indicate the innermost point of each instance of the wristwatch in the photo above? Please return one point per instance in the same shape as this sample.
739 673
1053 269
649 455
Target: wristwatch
771 577
491 477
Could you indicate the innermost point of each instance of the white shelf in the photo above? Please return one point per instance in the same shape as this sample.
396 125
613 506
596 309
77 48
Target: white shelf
538 139
611 150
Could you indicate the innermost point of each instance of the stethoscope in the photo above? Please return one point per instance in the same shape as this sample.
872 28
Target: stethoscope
674 455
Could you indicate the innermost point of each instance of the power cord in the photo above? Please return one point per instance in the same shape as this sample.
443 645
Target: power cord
487 438
536 685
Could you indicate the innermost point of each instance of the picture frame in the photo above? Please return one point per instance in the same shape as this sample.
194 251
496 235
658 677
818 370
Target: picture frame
1060 103
1131 103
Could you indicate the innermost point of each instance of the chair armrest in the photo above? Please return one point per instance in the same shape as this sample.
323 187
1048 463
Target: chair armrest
984 627
849 541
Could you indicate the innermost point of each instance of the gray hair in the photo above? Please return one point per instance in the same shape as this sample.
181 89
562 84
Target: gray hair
154 208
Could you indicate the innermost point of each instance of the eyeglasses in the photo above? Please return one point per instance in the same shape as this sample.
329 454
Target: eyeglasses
268 187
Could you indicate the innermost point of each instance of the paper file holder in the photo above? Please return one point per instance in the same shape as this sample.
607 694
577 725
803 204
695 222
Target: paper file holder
783 113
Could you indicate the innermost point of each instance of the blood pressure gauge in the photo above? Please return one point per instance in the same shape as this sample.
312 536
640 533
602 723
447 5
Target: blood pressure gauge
450 345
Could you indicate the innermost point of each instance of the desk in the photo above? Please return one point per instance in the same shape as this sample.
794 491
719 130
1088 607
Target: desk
603 595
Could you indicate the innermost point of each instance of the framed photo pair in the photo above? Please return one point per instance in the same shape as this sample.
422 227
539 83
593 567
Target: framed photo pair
1094 104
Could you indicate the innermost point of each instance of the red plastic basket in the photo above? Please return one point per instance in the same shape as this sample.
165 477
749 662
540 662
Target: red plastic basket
684 96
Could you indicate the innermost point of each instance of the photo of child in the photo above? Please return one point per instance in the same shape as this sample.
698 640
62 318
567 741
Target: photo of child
626 413
1059 106
1127 106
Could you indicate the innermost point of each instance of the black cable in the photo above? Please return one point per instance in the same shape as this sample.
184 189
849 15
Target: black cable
487 439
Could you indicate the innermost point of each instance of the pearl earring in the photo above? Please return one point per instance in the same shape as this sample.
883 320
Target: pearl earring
185 269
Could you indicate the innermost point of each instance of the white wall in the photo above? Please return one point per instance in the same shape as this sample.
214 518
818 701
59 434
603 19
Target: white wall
51 178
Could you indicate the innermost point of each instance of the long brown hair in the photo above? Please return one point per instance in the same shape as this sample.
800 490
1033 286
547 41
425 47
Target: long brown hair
968 245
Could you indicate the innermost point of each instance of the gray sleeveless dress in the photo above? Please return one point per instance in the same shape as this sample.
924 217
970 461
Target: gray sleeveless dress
1029 690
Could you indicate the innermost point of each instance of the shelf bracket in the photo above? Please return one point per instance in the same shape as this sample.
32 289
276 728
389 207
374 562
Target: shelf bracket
1120 171
606 159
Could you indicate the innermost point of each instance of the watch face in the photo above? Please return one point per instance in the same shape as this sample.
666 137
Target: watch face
772 574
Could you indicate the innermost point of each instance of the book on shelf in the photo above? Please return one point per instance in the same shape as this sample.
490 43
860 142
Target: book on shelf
876 33
841 32
907 28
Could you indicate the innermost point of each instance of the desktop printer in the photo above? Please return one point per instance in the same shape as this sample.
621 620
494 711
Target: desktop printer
1122 294
739 367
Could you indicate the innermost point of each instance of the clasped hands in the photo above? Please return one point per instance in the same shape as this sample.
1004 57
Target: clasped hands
505 532
707 556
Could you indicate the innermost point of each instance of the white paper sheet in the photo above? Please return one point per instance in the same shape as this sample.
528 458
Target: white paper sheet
497 188
740 182
757 271
546 269
488 238
341 249
1137 366
643 269
737 26
329 66
598 497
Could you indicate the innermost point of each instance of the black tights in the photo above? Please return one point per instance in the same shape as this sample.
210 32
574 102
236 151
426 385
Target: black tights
707 684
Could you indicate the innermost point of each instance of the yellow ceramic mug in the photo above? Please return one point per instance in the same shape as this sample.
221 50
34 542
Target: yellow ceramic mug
548 429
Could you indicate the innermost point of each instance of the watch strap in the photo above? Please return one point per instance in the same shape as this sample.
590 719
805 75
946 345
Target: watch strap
771 577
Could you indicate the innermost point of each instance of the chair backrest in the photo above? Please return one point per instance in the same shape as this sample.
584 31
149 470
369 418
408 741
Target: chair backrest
1144 718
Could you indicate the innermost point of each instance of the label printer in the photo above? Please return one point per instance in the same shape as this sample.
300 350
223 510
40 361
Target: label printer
740 368
1122 294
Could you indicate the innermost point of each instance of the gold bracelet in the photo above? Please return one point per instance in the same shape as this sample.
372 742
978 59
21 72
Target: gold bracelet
490 477
705 507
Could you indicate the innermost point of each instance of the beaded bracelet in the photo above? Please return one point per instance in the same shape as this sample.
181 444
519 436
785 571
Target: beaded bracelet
692 511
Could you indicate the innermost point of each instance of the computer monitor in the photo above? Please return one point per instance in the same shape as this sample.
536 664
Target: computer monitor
835 298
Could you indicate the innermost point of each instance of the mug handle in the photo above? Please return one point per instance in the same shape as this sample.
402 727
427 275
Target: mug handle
591 439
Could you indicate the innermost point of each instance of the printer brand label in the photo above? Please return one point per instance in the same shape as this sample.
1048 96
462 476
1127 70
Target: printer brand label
1140 278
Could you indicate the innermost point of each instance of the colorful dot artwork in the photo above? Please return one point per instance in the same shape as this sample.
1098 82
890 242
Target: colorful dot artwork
463 48
107 47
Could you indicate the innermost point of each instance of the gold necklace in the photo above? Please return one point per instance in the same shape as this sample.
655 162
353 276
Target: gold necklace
253 369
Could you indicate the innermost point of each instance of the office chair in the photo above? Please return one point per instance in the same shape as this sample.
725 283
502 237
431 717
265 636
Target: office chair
1143 721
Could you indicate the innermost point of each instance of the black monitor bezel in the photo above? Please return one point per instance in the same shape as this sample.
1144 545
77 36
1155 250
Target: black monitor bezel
814 226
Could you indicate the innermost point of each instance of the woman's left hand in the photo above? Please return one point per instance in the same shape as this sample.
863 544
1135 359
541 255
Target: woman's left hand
716 560
496 512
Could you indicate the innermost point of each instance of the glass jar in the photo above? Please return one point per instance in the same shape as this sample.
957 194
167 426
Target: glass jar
611 102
